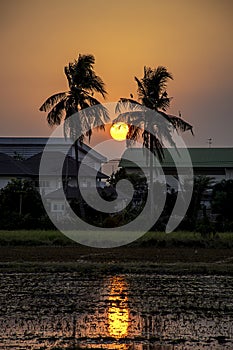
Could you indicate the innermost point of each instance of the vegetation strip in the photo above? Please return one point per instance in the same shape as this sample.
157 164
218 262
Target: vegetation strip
94 269
161 239
155 252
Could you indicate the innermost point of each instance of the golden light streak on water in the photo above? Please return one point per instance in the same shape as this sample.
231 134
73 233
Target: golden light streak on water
118 312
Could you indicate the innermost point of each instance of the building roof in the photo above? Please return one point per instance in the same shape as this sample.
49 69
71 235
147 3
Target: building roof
200 157
12 167
34 163
74 192
211 157
71 193
69 166
29 146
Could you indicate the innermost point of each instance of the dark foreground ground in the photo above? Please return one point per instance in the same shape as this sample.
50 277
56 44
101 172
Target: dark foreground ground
131 259
63 294
180 253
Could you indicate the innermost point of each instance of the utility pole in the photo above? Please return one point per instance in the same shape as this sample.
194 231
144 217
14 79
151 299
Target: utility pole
20 202
210 142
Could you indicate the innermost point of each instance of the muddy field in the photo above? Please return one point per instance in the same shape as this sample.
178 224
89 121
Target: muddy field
132 311
125 254
142 298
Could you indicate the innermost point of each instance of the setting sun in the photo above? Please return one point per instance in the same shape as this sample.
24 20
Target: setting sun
119 131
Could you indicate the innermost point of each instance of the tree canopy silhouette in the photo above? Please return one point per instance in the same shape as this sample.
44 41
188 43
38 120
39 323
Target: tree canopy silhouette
152 94
83 84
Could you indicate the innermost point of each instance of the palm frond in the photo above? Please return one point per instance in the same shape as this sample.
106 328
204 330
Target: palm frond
85 62
133 134
134 117
72 126
157 78
127 104
83 103
100 109
98 123
141 89
83 83
97 85
88 134
180 124
92 100
55 116
152 88
85 120
83 75
52 100
103 112
164 102
68 75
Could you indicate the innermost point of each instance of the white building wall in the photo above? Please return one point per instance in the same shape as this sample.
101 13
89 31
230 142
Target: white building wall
4 181
49 184
229 174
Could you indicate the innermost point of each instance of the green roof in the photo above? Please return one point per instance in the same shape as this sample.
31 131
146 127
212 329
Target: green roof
200 157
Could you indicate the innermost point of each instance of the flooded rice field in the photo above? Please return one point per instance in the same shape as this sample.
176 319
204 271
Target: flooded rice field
160 312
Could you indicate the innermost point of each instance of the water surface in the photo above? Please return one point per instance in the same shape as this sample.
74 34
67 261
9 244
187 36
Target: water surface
160 312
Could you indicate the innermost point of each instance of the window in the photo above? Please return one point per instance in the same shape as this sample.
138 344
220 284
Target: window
44 183
58 207
84 183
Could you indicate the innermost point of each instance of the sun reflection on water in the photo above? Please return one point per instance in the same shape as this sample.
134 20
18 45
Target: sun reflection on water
118 312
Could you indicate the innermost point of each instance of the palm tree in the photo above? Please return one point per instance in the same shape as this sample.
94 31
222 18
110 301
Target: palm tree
83 84
152 88
152 94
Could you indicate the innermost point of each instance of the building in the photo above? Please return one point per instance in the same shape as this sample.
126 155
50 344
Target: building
215 163
212 162
26 147
10 169
90 177
20 159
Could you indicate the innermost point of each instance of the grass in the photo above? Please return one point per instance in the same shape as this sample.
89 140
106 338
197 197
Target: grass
102 269
155 252
186 239
157 239
33 237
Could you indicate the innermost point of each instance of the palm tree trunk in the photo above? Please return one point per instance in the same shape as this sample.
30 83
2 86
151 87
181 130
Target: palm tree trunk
151 178
81 207
77 160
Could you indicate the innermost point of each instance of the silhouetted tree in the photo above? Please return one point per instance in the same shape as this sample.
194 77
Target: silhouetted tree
153 95
83 84
222 203
201 185
20 205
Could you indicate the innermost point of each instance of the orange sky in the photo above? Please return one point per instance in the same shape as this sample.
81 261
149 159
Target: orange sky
193 39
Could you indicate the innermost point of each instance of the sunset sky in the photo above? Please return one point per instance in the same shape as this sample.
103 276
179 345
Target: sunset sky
193 39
